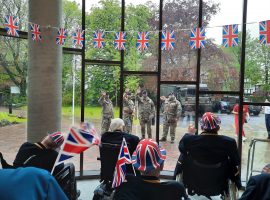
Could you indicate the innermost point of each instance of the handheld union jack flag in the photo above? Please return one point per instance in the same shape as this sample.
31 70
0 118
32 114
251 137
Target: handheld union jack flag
61 36
168 40
12 25
99 39
142 41
197 38
78 37
120 167
230 35
120 40
35 31
77 141
264 32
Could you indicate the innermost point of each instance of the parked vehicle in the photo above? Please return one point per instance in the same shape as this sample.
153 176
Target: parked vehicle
254 110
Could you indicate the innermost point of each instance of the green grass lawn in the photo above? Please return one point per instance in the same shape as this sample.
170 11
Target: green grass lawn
90 112
11 118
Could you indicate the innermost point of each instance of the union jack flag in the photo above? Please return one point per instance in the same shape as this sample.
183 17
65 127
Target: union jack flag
120 40
142 41
61 36
12 25
230 35
78 140
168 40
264 32
148 155
99 39
209 121
197 38
120 167
78 37
35 31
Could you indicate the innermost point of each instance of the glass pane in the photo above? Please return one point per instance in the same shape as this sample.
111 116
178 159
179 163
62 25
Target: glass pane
72 19
71 97
144 116
143 18
175 116
106 16
15 8
220 64
99 79
13 100
180 63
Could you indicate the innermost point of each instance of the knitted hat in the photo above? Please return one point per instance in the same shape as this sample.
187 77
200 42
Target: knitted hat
209 121
57 138
148 156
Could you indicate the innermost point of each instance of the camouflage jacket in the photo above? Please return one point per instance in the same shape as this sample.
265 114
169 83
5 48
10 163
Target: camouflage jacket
107 107
128 106
172 108
146 107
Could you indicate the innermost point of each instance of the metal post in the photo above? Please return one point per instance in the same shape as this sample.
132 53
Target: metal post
159 68
198 69
242 75
10 104
122 63
82 81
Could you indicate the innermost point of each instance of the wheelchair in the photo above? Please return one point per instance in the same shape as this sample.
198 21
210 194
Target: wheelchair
207 179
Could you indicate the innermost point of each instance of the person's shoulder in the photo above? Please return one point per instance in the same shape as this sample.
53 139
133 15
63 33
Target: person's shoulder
129 136
227 138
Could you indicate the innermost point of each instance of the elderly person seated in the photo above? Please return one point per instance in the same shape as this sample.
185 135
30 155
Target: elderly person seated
258 187
209 147
109 149
149 159
40 154
29 184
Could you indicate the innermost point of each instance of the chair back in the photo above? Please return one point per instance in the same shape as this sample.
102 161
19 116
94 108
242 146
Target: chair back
204 178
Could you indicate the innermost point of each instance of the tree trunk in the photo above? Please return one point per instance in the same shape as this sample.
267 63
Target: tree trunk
45 71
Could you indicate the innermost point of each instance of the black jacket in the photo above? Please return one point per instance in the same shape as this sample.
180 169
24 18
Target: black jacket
258 188
137 188
210 149
109 150
35 155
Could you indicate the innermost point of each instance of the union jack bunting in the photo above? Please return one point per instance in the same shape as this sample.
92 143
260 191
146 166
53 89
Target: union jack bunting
12 25
99 39
61 36
168 40
264 32
230 35
78 38
142 41
120 40
197 38
35 32
77 141
120 167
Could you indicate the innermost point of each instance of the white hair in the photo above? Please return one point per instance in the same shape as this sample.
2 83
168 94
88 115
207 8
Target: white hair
117 124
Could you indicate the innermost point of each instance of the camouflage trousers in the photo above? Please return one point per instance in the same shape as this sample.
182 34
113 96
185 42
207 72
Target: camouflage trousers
105 124
169 124
128 119
149 130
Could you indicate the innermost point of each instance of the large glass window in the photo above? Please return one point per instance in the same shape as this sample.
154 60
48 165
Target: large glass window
99 79
103 16
180 63
13 101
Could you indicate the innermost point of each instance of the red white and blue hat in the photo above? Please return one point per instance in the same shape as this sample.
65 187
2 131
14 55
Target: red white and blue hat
209 121
148 155
57 138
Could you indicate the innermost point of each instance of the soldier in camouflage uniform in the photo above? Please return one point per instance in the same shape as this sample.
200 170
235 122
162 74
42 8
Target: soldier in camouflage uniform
128 111
171 113
107 111
146 112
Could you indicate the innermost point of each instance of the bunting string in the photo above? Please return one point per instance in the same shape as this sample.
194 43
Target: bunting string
197 35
